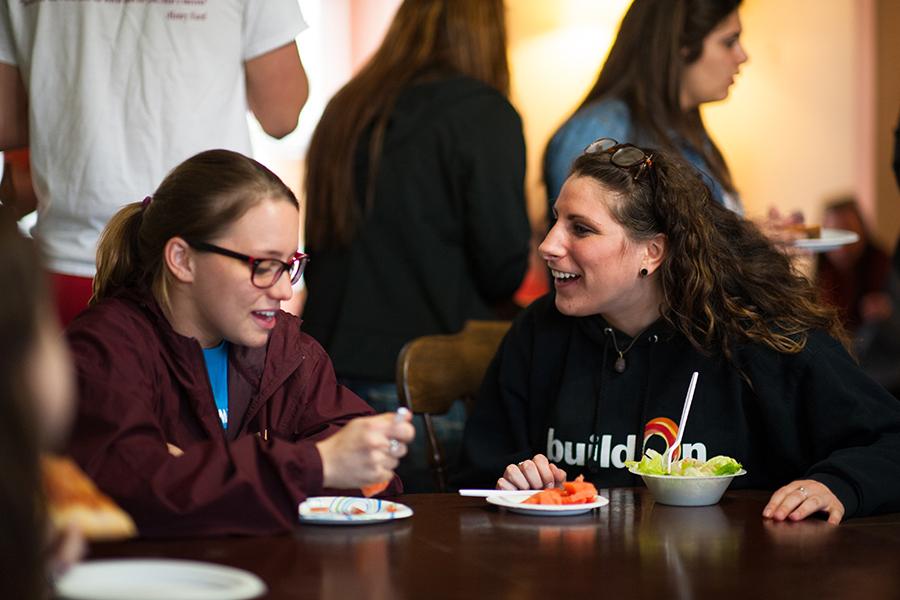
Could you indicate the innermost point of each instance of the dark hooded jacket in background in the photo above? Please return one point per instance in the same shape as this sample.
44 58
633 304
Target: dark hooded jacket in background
446 237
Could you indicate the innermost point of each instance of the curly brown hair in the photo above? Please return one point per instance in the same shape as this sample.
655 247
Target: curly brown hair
723 281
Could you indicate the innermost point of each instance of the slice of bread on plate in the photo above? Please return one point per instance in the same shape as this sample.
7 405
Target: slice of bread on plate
806 231
74 500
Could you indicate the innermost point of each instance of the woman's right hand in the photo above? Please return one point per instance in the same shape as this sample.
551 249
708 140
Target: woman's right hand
535 474
361 453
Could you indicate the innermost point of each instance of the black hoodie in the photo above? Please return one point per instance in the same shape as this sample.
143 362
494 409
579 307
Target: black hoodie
553 389
447 235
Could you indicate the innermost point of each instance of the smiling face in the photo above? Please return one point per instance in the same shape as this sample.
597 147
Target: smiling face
709 77
217 299
595 266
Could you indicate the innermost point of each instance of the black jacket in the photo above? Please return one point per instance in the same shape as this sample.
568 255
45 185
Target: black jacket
447 236
552 389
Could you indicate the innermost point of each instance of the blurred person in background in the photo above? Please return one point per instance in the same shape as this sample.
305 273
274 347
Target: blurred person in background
110 96
36 405
669 58
854 278
416 218
880 355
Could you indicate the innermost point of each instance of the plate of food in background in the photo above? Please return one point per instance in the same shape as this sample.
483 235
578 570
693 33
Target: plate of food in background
823 239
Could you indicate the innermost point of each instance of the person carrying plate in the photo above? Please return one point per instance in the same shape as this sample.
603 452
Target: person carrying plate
654 280
203 407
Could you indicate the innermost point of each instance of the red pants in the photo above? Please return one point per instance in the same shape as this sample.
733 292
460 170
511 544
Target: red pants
71 295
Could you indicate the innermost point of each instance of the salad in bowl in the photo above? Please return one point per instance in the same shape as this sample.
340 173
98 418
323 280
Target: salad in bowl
691 482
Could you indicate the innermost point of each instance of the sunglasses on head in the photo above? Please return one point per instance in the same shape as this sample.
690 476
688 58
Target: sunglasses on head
625 156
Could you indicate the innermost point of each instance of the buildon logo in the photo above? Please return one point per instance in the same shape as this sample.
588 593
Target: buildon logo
608 454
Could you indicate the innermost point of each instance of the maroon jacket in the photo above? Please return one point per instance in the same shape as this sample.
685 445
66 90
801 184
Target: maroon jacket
142 385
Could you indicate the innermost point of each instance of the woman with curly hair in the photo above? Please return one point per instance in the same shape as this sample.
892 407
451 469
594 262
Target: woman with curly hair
655 280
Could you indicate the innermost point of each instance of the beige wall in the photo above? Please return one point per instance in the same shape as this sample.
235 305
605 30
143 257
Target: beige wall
368 24
787 130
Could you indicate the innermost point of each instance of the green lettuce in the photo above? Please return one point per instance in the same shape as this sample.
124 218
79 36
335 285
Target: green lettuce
652 464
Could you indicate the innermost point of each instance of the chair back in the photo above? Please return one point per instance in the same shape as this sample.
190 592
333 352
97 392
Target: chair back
434 371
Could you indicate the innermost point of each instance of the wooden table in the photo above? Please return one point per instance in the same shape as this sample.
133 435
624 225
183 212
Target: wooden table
456 547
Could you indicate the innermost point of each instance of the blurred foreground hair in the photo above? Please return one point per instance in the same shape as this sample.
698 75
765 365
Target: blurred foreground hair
22 519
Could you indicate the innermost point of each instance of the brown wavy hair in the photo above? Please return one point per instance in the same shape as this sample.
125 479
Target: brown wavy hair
656 41
196 201
427 39
24 298
723 281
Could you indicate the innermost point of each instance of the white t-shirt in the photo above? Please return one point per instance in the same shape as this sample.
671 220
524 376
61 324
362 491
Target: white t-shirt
121 91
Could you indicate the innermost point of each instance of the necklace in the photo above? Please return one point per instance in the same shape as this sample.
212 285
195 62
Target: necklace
620 364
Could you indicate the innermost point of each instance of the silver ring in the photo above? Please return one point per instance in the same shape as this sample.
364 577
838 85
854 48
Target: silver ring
394 446
803 491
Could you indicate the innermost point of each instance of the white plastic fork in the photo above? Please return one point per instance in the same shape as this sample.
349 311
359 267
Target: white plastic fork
684 415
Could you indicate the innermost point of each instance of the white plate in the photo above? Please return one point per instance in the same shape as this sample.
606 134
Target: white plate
350 510
513 503
139 579
829 240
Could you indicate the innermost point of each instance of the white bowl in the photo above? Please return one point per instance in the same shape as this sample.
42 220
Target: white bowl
687 491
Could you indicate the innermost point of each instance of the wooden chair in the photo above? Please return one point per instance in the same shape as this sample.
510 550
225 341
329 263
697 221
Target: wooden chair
433 371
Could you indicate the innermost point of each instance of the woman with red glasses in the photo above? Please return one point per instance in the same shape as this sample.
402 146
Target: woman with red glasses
203 408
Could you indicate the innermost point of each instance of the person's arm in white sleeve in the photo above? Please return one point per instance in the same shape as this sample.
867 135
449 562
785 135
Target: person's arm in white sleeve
277 89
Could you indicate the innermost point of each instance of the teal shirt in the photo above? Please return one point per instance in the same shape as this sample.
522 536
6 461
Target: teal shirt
217 368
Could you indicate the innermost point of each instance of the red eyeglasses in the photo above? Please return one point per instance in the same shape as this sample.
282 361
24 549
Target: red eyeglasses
264 272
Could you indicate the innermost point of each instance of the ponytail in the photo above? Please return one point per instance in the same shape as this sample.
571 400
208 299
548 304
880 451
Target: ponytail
197 200
118 253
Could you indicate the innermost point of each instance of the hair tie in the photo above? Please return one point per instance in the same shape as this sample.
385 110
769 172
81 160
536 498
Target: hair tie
146 202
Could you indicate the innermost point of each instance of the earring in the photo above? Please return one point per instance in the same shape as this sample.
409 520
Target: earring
643 272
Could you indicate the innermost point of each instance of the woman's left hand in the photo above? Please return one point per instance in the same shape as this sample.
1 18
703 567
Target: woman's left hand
799 499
